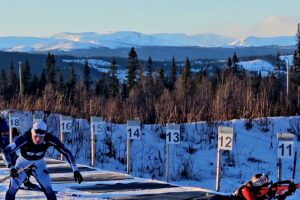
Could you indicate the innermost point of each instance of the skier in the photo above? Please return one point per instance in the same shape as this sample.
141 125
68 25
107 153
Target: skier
33 145
258 189
4 142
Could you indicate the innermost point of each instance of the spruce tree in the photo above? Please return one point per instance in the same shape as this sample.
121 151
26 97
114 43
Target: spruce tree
42 82
113 79
59 82
71 83
12 81
173 74
277 64
33 85
86 76
3 83
132 68
149 67
26 76
186 77
50 69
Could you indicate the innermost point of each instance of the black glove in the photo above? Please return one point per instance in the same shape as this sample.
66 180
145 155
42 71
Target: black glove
77 176
14 172
292 189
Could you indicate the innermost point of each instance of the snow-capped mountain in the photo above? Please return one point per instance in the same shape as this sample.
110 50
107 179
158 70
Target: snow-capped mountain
265 41
69 41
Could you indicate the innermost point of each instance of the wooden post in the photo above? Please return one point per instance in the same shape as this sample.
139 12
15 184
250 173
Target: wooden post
65 127
295 164
96 128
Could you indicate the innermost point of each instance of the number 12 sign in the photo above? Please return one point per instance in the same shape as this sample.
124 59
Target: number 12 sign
225 138
285 145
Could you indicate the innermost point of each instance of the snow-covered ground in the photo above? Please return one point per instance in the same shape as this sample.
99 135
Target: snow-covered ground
193 162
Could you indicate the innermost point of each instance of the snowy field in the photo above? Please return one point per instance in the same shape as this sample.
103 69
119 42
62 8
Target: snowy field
193 161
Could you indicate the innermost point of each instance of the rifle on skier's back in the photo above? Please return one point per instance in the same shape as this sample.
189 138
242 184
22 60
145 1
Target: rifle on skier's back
280 189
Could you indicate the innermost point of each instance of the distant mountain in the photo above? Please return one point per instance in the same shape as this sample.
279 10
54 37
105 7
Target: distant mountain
265 41
70 41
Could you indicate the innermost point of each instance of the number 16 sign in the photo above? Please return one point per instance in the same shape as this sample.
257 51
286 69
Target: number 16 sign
225 137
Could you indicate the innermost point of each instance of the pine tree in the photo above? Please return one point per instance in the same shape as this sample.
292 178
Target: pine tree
235 61
132 68
86 76
113 79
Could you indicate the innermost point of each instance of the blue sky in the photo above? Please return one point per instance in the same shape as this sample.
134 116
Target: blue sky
234 18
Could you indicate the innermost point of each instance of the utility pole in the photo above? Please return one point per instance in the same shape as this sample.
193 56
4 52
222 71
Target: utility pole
287 83
20 77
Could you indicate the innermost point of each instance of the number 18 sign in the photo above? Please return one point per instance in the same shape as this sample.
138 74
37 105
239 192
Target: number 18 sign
285 145
225 137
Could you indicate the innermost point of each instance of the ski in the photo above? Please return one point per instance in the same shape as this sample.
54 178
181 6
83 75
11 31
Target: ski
19 171
38 189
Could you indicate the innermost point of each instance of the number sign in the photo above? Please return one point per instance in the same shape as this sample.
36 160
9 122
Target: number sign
225 137
97 125
285 145
173 134
14 121
66 124
133 129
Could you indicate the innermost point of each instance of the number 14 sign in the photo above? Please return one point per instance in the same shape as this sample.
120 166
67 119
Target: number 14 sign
225 138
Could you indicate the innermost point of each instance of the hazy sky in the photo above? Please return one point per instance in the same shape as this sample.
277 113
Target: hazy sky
234 18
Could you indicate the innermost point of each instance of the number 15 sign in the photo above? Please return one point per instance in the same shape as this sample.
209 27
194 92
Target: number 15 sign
225 138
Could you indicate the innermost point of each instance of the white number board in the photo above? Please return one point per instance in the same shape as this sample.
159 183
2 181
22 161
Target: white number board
14 121
285 145
133 129
38 116
225 138
98 125
173 134
65 124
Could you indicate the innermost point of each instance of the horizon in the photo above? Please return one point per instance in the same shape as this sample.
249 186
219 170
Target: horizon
234 19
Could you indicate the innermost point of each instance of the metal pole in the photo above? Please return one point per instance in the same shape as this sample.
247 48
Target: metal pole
92 146
279 175
168 163
128 156
218 171
287 83
20 77
295 164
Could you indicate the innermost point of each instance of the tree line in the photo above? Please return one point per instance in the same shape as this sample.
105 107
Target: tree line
171 94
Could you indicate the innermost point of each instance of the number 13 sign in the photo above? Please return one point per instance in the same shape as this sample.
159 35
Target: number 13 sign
225 138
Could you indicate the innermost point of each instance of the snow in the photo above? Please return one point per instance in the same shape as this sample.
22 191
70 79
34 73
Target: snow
67 41
193 162
265 41
258 66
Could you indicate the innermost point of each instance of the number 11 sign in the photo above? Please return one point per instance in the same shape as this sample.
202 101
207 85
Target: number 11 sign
285 145
225 137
